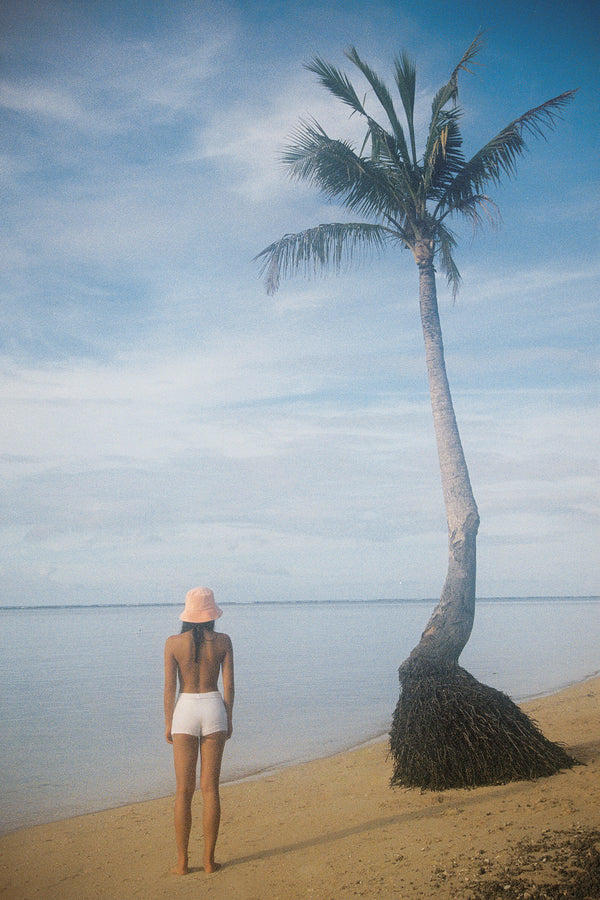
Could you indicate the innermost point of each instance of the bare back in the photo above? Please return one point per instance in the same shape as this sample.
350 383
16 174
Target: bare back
202 676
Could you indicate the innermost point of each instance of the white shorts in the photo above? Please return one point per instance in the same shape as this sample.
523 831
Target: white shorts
199 714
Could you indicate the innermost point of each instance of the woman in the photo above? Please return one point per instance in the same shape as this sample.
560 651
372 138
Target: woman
200 720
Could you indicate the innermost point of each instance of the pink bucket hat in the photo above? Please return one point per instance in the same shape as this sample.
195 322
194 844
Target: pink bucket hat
200 606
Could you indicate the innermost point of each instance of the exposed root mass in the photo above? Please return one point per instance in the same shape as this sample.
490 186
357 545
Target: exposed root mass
451 731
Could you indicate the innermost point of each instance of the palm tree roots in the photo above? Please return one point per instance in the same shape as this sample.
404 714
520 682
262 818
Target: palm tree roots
451 731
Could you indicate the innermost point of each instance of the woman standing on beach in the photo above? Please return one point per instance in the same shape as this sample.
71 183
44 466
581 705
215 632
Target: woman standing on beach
200 720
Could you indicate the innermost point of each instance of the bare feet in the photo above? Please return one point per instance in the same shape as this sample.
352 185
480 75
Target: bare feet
180 869
212 867
183 869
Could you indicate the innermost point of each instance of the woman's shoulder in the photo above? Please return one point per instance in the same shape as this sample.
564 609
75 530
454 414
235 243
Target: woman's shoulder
174 639
223 639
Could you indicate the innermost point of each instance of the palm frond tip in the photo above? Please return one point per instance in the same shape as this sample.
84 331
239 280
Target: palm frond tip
317 249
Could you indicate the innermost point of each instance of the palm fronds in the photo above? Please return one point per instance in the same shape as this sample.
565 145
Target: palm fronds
499 156
406 82
404 199
317 249
449 91
384 97
467 58
443 157
336 82
540 119
359 183
446 243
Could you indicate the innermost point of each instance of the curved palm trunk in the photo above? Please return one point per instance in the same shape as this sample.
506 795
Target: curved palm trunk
448 730
450 625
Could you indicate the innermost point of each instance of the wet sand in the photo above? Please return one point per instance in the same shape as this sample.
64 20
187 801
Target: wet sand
333 829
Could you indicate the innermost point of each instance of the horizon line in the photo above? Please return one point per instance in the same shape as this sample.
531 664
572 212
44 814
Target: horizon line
168 604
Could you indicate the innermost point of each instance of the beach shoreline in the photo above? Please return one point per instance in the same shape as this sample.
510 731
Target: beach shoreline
333 828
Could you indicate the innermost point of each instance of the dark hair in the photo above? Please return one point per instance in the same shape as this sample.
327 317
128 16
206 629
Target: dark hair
198 629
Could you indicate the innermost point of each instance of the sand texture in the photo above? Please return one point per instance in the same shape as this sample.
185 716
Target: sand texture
334 829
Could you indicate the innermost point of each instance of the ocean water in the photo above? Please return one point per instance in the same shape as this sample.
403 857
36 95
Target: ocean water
81 688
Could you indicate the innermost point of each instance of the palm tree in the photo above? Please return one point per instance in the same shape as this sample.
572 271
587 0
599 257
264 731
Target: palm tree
409 202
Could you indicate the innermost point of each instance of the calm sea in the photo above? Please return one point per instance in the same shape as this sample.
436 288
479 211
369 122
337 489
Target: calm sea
81 688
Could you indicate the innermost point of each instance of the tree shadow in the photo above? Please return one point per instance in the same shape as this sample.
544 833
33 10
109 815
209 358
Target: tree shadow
586 753
457 801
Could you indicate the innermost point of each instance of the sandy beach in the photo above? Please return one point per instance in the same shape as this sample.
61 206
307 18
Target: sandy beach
333 829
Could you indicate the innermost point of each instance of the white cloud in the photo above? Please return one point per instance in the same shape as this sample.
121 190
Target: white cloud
171 457
40 100
106 83
527 283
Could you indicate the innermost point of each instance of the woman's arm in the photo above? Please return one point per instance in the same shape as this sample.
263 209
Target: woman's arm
170 688
228 684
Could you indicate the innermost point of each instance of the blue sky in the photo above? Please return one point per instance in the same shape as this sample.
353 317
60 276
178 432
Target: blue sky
165 423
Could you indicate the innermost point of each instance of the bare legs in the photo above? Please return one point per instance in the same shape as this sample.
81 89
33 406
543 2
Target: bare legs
211 753
185 755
